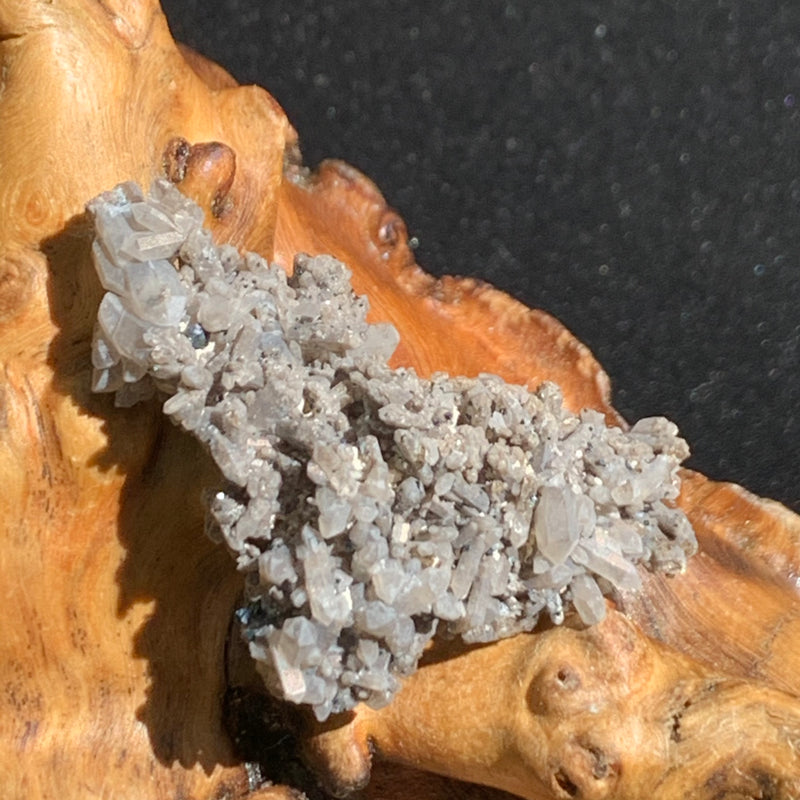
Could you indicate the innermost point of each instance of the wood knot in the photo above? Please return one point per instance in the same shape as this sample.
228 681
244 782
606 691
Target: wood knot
17 280
204 172
174 159
586 770
558 688
567 679
391 230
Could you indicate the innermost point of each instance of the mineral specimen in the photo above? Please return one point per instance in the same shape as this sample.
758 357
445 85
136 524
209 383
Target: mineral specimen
368 507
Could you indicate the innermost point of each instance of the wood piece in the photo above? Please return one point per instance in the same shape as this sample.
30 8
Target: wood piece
114 646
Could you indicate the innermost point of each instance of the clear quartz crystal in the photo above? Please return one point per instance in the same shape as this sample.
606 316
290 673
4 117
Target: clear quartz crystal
148 217
148 246
555 523
155 292
612 566
588 599
367 507
123 330
104 355
111 275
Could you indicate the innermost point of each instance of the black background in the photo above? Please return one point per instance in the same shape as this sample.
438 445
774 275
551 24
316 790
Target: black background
631 167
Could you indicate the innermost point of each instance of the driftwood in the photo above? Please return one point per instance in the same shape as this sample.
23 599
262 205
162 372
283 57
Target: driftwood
118 668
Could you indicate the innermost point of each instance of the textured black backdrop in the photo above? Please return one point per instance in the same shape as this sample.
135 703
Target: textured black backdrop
631 167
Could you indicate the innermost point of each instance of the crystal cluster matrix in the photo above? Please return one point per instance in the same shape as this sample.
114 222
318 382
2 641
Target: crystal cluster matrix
368 508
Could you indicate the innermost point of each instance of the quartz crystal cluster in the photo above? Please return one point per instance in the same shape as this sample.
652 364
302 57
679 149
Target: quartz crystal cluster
367 507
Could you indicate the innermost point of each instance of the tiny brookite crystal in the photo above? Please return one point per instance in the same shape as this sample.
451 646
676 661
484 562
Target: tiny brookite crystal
367 507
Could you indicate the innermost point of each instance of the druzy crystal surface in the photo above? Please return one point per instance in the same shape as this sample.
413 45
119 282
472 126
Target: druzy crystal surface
368 508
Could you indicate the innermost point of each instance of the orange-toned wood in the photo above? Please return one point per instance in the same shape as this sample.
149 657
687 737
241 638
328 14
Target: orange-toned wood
115 641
